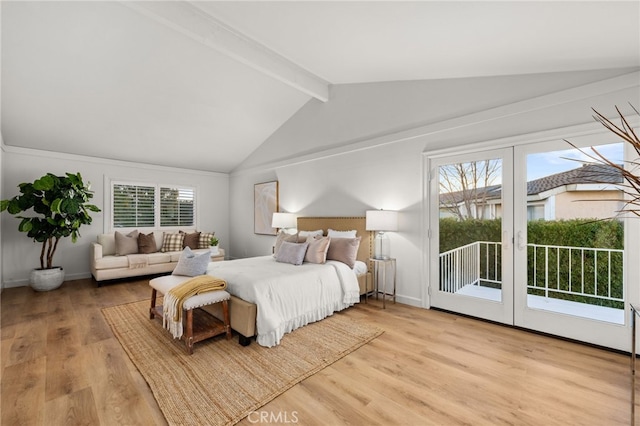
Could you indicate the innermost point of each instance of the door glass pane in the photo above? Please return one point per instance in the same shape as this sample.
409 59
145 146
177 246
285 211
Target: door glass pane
574 239
470 228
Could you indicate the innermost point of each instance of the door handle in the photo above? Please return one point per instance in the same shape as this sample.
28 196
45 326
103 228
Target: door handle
505 240
521 245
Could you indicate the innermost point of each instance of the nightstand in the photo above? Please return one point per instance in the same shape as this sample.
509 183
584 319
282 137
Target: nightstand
384 270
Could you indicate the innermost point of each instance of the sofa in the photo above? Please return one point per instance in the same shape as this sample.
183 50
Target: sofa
110 262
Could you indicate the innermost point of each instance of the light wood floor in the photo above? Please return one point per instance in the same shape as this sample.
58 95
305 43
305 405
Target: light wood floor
61 365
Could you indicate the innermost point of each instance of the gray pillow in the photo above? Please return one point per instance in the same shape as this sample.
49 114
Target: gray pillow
292 253
191 264
126 244
283 236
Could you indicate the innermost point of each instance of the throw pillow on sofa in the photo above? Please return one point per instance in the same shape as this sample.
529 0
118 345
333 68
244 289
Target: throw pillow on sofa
147 243
191 240
192 264
204 241
126 244
172 242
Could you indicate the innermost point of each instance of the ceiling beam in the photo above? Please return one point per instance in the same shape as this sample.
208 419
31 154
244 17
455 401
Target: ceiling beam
193 22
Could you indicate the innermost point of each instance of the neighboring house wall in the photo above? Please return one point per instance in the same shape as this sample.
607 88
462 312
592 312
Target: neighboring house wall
20 254
587 204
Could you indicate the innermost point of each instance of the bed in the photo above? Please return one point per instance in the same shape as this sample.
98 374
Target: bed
270 299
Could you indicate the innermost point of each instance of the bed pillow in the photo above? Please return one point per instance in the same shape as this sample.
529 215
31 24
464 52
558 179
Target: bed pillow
191 240
341 234
204 241
147 243
192 264
344 250
126 244
317 250
303 235
292 253
282 237
172 242
360 267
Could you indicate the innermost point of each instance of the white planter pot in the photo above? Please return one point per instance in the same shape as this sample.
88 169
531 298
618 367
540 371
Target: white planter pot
46 279
214 250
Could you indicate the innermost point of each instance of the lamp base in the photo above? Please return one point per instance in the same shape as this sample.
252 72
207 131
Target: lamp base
381 247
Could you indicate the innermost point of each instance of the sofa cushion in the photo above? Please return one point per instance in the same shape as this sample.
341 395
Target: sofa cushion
108 243
159 257
112 262
126 244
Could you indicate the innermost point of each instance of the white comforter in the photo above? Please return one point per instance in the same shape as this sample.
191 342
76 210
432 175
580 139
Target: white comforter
288 296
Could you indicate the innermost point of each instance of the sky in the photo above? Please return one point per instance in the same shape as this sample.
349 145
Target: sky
552 162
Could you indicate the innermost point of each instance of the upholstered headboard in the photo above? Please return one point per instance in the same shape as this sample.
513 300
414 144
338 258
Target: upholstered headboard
365 250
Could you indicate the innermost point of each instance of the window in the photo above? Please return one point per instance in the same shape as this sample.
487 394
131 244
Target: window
176 206
152 206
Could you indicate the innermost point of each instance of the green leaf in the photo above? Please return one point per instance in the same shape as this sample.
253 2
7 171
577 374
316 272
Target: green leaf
25 225
44 183
55 206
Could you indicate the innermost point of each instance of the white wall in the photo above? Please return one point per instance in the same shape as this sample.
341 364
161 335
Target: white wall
353 174
21 255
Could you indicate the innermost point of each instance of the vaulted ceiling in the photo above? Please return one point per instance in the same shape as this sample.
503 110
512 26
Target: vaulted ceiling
201 85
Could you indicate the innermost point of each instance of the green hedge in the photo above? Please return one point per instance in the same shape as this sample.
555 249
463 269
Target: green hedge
585 270
577 233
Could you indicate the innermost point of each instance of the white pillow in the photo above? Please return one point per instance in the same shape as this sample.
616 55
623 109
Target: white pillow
304 235
192 264
341 234
360 267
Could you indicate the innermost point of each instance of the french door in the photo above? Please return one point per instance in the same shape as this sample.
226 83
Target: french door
471 261
518 236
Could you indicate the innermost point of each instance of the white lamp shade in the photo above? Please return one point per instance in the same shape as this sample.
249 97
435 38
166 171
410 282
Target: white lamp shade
284 220
382 220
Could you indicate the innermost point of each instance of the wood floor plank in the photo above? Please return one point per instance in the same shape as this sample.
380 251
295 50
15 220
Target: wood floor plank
59 357
77 408
120 400
23 392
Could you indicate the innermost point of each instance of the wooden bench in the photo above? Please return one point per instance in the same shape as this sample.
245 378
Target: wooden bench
198 324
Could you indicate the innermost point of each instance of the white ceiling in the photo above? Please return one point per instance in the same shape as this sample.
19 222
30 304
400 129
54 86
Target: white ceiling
201 85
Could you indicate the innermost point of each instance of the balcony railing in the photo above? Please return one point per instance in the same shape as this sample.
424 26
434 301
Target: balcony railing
580 274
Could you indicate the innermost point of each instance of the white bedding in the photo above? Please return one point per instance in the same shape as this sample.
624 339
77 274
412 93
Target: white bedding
288 296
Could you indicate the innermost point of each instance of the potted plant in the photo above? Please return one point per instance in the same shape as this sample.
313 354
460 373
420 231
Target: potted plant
213 243
52 207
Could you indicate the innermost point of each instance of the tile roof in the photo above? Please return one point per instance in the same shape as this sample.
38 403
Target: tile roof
590 173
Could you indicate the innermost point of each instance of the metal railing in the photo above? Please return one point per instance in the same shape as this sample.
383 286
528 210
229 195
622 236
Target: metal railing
580 273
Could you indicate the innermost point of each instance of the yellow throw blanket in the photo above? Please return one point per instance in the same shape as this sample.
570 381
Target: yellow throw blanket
175 298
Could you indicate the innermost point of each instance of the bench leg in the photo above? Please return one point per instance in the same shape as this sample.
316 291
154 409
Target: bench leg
188 336
154 293
227 321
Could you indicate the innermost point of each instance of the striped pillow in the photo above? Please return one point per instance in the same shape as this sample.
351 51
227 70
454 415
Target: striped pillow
172 242
205 239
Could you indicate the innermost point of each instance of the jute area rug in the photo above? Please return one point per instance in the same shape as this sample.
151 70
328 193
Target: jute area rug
222 382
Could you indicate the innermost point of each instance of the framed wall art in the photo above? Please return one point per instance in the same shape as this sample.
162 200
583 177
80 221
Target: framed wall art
265 204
